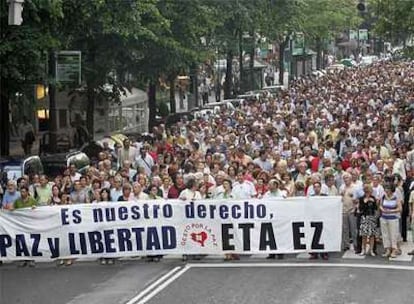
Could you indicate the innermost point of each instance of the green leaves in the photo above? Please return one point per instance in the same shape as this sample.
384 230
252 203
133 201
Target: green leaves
395 19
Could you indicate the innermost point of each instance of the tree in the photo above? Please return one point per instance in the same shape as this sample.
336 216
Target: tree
191 24
325 19
283 19
395 19
23 54
228 37
107 33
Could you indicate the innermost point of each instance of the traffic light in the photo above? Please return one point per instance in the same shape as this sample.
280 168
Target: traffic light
361 6
15 12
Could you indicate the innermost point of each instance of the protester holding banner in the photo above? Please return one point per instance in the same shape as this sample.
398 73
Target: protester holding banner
25 201
10 195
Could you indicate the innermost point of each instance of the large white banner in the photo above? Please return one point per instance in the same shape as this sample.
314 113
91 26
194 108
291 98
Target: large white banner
120 229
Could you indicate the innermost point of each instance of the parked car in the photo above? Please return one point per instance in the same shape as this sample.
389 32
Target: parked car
335 68
55 164
228 104
15 168
368 60
274 89
177 117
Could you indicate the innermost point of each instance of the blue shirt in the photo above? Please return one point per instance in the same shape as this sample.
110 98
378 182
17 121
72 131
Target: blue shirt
10 198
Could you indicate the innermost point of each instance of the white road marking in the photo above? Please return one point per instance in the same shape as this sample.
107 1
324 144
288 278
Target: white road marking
160 284
160 287
299 265
153 285
350 254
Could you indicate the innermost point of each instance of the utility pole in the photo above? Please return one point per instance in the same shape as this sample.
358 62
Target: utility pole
52 102
14 18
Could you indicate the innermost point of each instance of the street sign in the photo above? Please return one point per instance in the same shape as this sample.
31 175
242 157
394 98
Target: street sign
68 67
353 35
298 43
363 35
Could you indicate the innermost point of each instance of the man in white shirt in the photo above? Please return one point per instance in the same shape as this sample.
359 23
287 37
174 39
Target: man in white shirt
126 153
243 189
144 160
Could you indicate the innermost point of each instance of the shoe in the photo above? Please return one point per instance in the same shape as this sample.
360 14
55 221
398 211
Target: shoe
22 264
386 254
398 251
372 253
110 261
60 262
393 254
103 262
325 256
235 257
68 263
313 256
362 253
31 264
271 257
411 252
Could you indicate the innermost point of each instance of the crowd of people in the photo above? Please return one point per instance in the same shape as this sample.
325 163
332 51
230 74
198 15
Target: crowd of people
348 133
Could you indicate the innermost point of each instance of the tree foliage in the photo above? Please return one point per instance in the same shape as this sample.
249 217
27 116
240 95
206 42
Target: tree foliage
395 18
153 39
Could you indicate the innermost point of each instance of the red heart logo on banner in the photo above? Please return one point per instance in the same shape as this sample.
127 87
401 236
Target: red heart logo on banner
200 237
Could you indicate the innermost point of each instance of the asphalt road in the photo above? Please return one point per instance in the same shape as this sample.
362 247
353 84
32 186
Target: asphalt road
289 285
82 283
288 281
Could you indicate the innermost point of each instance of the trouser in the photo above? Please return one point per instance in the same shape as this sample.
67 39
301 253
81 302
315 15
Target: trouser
412 231
349 229
389 231
404 217
204 96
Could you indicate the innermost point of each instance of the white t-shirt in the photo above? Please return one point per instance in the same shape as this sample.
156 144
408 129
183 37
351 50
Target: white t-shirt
190 195
244 190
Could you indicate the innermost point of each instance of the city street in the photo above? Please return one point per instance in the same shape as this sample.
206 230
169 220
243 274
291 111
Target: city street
254 279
